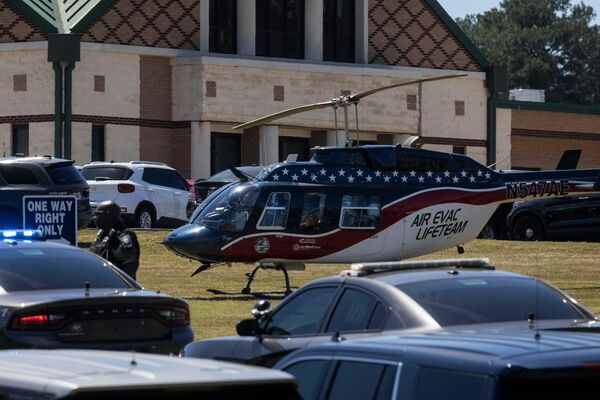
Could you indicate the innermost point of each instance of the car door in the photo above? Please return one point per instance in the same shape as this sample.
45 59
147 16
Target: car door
156 193
294 324
179 192
571 216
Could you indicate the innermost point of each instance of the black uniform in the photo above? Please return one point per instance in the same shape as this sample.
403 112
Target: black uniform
120 247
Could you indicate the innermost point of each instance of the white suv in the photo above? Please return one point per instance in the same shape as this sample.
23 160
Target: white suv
149 193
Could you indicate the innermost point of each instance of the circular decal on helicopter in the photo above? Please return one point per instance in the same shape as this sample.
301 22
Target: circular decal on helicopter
296 247
262 245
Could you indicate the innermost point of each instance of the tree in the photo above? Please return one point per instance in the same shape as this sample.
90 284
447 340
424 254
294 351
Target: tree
545 44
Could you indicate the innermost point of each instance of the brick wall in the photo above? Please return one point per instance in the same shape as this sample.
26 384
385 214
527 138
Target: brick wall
182 158
540 137
15 28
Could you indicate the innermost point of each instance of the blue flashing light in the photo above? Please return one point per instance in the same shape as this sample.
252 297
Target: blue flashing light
20 234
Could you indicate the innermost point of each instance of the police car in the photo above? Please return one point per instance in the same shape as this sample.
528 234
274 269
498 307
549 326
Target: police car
32 176
372 299
58 296
84 374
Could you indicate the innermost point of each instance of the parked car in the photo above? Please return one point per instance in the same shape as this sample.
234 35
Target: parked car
409 296
58 296
33 176
89 375
461 365
204 187
563 218
150 194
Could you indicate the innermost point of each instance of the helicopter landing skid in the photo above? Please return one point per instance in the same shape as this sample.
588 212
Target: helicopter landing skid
262 295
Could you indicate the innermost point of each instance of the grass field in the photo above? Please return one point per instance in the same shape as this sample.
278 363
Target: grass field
573 267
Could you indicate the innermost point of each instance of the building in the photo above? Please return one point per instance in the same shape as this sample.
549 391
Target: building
166 80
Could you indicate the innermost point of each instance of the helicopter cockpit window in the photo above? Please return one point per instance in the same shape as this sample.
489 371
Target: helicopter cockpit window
275 214
229 210
312 211
360 212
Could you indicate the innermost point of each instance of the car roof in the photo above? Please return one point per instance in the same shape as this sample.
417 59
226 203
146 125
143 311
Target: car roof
396 278
46 160
131 164
472 348
64 372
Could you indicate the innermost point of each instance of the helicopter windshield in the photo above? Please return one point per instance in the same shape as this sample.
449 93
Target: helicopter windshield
230 209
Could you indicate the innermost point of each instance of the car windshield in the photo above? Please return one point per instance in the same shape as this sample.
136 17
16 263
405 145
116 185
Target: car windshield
106 173
64 174
230 209
25 269
480 300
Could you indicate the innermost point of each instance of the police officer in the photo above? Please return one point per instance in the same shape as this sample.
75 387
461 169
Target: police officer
114 242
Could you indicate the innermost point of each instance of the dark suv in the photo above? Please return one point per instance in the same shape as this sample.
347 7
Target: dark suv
562 218
33 176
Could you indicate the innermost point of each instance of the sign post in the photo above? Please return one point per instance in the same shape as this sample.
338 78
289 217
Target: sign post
54 216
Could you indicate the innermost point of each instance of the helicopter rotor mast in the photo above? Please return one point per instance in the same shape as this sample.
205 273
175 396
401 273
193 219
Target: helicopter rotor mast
339 102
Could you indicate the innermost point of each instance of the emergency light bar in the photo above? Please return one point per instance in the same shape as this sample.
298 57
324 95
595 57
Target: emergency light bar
463 263
21 234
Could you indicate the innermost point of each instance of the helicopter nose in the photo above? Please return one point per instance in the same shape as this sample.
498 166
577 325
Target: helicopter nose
196 242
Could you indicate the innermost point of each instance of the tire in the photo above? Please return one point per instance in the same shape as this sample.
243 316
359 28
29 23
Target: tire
488 232
528 228
145 217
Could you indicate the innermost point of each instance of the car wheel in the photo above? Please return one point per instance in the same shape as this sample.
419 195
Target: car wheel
144 217
528 228
488 232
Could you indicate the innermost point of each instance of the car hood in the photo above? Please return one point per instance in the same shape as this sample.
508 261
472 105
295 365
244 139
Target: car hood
29 298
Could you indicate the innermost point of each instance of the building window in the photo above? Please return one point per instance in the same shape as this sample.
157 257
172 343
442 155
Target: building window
339 30
278 93
293 145
223 26
280 28
20 140
459 108
99 83
211 89
20 83
459 150
225 151
98 143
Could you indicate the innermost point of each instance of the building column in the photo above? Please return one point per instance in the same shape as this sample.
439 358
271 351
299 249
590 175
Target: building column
269 144
204 25
200 148
361 40
336 138
313 30
246 27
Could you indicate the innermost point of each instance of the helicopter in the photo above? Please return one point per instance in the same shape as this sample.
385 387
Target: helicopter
348 204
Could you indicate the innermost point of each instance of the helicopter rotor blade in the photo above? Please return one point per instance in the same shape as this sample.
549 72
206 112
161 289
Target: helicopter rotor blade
285 113
359 96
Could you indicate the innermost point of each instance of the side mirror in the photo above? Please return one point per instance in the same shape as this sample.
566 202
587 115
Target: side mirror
261 309
248 327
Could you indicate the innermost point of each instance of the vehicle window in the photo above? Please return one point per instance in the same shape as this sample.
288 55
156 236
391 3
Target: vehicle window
438 384
309 375
312 211
450 301
170 178
64 174
354 312
152 176
301 315
229 209
549 385
55 268
106 173
360 212
362 380
275 214
18 176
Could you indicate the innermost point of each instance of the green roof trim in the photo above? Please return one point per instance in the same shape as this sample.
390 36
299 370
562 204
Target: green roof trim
62 16
552 107
460 35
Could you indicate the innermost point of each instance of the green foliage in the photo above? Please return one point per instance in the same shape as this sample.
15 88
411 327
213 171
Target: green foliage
545 44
